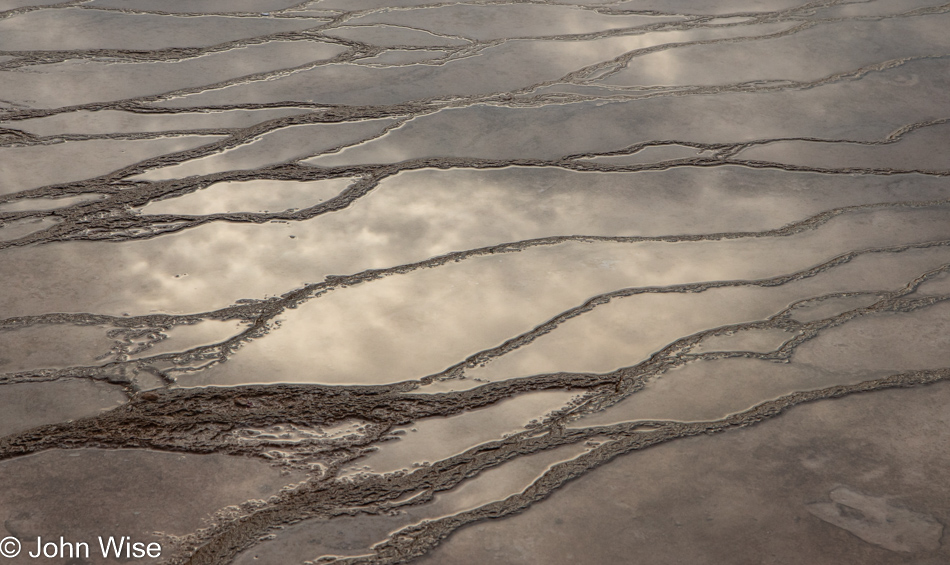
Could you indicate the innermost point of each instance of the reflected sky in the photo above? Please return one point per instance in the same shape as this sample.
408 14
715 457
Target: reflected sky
386 36
354 535
189 6
924 149
406 327
250 196
93 81
734 497
52 347
414 216
544 208
840 110
434 439
872 345
274 147
756 340
74 28
514 20
27 405
493 70
115 121
805 56
20 228
713 7
628 330
32 167
137 492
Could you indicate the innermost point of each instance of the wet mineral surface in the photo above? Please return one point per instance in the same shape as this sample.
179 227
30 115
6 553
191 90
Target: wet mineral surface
495 281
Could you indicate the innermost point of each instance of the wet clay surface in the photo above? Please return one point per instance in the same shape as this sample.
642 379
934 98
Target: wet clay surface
393 281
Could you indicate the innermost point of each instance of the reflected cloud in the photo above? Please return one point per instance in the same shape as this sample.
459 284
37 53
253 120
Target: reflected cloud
250 196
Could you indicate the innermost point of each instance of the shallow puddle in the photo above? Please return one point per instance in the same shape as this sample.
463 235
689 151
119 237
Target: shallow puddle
74 28
409 326
112 121
250 196
291 143
29 405
39 204
434 439
706 496
536 61
40 166
145 495
96 80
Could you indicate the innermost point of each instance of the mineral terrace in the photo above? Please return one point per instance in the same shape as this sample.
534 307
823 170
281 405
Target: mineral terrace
540 282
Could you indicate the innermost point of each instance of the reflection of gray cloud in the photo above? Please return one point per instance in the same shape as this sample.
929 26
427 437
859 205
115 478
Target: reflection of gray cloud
712 7
73 28
647 265
739 496
923 149
34 204
808 55
484 23
32 167
388 36
278 146
359 533
409 326
249 196
117 121
27 405
509 66
713 389
146 490
93 81
190 6
414 216
841 110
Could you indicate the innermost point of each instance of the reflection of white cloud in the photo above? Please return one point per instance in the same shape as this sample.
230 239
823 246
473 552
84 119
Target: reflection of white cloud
512 20
628 330
36 204
250 196
20 228
23 168
857 351
277 146
408 326
807 55
414 216
117 121
509 66
434 439
839 110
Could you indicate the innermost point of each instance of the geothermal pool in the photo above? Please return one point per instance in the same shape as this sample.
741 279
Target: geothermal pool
541 282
